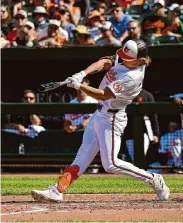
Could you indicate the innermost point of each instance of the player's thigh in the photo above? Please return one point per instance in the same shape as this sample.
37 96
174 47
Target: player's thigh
90 143
110 143
87 151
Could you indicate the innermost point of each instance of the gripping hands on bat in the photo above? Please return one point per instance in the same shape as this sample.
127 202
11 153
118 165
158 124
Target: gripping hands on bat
75 80
74 83
79 76
71 82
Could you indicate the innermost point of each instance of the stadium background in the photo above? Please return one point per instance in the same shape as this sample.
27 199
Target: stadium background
28 67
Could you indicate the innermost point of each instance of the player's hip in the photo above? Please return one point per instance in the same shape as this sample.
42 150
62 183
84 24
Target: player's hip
111 121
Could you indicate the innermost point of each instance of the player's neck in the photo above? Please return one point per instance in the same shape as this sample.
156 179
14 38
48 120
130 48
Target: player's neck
130 65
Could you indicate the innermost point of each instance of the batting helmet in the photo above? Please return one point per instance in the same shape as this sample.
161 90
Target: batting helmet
133 49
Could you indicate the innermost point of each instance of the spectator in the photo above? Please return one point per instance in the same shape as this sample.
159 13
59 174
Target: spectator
75 122
50 6
62 32
128 3
21 19
40 14
56 15
29 125
84 6
107 38
176 27
171 146
4 43
94 22
134 31
171 143
27 36
75 12
177 98
119 21
102 8
151 129
27 5
65 22
81 36
154 24
53 38
5 19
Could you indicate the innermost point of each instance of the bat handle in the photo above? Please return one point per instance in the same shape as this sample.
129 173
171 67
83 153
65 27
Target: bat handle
64 82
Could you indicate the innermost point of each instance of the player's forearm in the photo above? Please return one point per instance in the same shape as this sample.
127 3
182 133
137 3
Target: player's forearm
98 94
98 66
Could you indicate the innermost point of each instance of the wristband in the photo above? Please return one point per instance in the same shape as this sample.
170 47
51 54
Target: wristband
83 74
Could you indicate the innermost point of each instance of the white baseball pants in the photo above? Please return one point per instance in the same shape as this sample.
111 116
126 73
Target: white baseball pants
103 134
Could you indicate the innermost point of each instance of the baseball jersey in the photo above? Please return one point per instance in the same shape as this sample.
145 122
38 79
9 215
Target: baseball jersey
77 119
124 83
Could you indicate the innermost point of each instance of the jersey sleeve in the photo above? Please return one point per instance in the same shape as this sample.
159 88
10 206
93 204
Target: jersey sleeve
122 86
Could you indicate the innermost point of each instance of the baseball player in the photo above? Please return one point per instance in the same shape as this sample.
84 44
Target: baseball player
120 85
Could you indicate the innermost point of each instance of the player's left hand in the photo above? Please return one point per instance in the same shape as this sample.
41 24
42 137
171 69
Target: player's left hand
74 83
79 76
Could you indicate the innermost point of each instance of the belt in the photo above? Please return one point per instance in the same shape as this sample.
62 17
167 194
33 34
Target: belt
99 107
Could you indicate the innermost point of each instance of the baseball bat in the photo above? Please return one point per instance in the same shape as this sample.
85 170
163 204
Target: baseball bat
52 85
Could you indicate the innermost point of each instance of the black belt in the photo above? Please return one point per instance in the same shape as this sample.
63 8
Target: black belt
99 107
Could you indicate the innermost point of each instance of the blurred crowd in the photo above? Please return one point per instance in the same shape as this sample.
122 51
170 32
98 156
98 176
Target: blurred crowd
54 23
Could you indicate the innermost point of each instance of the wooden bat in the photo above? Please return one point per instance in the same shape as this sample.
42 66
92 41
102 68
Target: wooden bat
52 85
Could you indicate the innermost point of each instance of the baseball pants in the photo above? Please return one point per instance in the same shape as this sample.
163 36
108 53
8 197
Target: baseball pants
103 134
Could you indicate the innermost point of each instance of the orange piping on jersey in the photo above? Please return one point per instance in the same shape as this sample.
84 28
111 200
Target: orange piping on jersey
70 174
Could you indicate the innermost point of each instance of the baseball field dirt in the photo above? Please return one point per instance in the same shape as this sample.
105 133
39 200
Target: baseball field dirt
94 207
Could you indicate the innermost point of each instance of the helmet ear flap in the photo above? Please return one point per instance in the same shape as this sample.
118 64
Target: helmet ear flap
142 48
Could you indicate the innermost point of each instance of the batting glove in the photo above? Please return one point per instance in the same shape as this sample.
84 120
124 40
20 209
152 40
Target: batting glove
74 83
79 76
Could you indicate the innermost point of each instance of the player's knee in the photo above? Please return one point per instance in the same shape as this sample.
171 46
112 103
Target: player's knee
109 168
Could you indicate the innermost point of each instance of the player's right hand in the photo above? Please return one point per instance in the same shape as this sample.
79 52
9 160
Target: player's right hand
79 76
74 83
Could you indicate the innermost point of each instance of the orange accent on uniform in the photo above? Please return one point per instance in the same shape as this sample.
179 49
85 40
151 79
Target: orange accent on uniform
70 174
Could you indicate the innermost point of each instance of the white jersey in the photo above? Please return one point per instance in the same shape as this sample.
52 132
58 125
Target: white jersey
77 119
125 84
